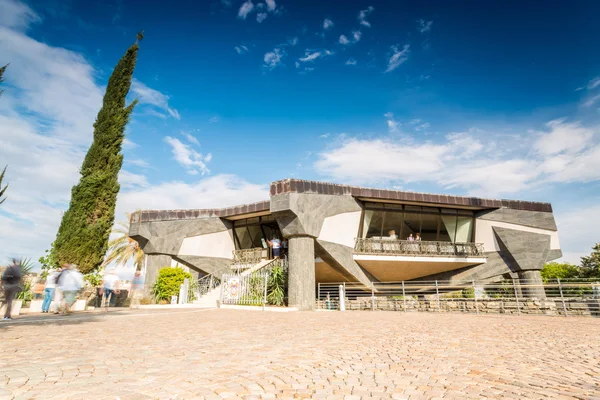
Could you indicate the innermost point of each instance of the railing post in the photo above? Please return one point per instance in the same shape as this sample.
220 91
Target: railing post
475 297
562 298
403 296
265 291
372 296
437 292
319 295
343 297
516 297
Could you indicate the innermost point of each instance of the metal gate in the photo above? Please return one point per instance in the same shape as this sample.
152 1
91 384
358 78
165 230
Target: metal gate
246 290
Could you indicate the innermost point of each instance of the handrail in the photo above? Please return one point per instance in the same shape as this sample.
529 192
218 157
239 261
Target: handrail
247 256
207 283
387 246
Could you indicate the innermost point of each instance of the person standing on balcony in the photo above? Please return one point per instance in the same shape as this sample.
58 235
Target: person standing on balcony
418 238
410 238
275 244
393 235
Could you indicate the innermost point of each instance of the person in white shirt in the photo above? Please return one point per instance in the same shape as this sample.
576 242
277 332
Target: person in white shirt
49 289
393 235
276 245
109 286
70 283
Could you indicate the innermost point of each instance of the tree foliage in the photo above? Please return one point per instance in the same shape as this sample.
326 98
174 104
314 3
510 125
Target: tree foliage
84 230
554 270
2 70
168 282
590 265
2 189
123 248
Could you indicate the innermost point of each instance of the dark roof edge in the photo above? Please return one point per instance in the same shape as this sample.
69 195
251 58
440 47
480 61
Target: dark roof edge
303 186
170 215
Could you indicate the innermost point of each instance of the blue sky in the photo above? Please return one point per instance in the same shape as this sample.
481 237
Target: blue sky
495 99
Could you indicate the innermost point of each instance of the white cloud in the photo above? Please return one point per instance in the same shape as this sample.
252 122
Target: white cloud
188 158
137 162
422 127
147 95
17 15
214 119
273 58
392 124
293 41
241 49
351 61
130 180
577 234
344 40
398 57
260 17
212 192
424 26
310 56
190 138
271 5
593 83
470 160
324 136
245 9
356 35
327 24
590 101
363 14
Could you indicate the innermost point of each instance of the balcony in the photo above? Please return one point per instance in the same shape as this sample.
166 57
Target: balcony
391 260
391 247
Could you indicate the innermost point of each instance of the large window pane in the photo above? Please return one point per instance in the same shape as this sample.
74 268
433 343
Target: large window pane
244 237
372 224
412 225
464 228
392 224
448 228
429 227
256 235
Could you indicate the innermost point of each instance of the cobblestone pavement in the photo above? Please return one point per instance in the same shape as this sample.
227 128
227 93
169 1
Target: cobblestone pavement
194 354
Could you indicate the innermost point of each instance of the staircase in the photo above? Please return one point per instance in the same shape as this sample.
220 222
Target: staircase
209 300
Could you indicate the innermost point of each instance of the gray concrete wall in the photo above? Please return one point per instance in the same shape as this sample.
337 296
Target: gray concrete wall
301 273
153 264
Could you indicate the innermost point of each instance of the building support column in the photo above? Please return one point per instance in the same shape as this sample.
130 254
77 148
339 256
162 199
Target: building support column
531 284
301 273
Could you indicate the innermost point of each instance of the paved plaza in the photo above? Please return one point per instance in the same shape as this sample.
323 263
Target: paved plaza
195 354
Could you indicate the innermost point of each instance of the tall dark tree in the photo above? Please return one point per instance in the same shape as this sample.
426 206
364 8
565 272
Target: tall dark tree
83 234
591 264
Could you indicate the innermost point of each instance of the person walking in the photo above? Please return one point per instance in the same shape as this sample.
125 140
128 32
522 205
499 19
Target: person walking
49 289
137 289
276 246
70 283
11 281
109 287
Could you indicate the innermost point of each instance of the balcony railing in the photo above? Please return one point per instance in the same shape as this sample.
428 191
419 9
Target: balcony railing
247 256
386 246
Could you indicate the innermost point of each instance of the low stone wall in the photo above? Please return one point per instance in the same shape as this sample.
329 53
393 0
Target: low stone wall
554 306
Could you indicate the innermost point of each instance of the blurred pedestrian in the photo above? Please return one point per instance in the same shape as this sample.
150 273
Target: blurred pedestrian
49 289
137 289
11 281
70 283
58 295
109 287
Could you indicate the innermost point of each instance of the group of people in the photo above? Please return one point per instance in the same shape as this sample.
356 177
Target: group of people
410 238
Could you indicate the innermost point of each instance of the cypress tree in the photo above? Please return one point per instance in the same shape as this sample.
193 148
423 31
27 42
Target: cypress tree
83 234
2 70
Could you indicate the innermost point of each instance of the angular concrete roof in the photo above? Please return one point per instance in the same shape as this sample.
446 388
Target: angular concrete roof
303 186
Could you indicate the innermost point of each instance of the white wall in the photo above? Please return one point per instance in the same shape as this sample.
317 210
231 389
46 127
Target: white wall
341 228
218 244
484 233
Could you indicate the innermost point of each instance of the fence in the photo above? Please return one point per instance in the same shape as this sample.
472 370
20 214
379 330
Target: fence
556 297
406 247
247 256
253 289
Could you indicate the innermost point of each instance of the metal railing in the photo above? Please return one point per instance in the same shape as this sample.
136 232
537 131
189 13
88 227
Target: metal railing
206 284
387 246
247 256
556 297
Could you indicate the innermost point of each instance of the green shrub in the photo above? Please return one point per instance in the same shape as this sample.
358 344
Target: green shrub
168 282
93 278
277 286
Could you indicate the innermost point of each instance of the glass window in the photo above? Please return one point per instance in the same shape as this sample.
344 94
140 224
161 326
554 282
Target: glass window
448 228
464 229
412 224
392 224
372 223
429 227
243 237
256 235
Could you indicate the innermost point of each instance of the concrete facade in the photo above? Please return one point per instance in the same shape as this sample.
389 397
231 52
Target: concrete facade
322 222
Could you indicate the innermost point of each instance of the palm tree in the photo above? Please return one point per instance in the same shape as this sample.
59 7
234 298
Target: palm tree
2 190
123 248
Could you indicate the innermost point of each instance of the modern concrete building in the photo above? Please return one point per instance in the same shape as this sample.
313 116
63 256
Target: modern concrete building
340 233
